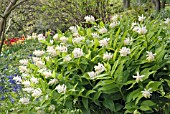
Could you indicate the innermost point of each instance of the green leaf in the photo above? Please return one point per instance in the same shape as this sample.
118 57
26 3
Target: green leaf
154 85
108 103
133 95
85 103
148 103
145 108
89 92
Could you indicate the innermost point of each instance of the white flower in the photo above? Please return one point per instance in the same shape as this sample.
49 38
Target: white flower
34 80
23 69
28 89
95 35
55 37
76 34
24 74
124 51
138 77
35 59
114 24
147 93
167 21
36 92
150 56
61 48
77 52
47 58
104 42
89 18
136 28
51 41
63 39
34 35
92 74
99 68
107 56
51 50
77 40
26 83
47 74
114 18
52 82
102 30
17 79
41 37
141 18
38 52
127 41
52 107
23 61
67 58
40 64
24 100
61 88
142 30
73 29
134 24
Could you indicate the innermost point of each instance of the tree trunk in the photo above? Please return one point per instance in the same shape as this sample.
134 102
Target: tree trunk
126 4
158 5
2 33
163 4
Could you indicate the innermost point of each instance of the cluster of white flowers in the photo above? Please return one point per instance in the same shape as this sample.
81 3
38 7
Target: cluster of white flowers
38 53
26 83
55 37
36 92
23 61
104 42
141 18
52 82
41 37
89 18
61 48
124 51
73 29
67 58
114 24
24 101
77 40
150 56
17 79
114 18
34 80
51 50
128 41
99 68
107 56
95 35
61 88
147 93
46 73
28 89
92 74
34 35
77 52
23 69
138 77
35 59
63 39
40 64
140 30
103 30
167 21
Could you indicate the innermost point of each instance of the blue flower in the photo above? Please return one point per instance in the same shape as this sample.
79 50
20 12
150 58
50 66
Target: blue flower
1 88
12 81
2 98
